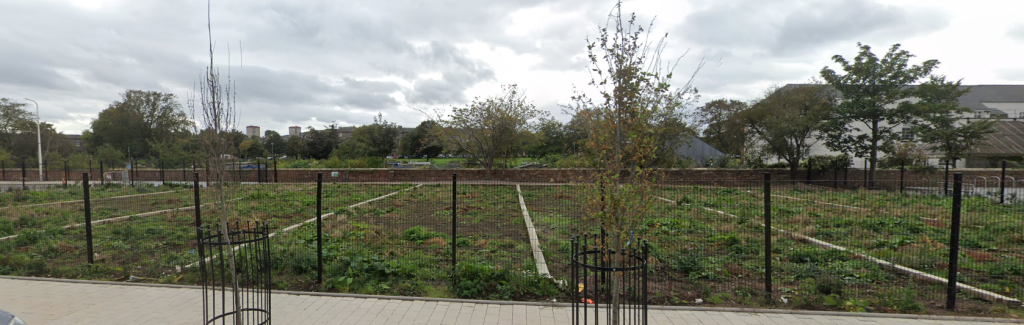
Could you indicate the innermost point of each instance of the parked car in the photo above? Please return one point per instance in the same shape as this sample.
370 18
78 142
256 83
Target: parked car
9 319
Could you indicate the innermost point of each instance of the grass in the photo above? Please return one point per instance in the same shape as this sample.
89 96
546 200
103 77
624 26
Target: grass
402 244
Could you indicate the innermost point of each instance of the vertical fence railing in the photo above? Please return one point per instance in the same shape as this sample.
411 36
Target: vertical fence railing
954 242
455 227
88 217
1002 184
319 228
768 234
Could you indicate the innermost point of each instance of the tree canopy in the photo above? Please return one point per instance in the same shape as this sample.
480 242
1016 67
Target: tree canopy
939 119
865 120
489 128
379 140
421 142
787 117
136 120
722 129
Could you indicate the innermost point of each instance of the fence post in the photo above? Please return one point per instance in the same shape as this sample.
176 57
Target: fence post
23 175
768 234
319 228
454 227
865 172
102 180
835 178
809 169
1002 185
275 169
66 175
954 242
88 217
199 224
945 183
903 168
163 180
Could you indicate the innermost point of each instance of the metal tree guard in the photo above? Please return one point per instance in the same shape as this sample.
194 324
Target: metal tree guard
251 243
593 279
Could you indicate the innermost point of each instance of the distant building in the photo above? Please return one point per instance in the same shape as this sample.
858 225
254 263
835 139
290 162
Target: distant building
702 153
294 131
252 131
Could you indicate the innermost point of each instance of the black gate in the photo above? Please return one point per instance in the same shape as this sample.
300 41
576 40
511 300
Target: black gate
595 281
249 243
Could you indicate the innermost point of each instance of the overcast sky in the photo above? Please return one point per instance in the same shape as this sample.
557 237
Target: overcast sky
308 63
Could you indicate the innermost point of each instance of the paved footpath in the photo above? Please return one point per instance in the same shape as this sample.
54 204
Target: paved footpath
41 302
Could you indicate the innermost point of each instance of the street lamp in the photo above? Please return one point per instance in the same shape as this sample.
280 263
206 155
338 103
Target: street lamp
39 136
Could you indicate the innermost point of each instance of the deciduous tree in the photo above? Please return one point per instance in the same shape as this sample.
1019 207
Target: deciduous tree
136 120
940 121
722 129
489 128
863 123
625 129
786 119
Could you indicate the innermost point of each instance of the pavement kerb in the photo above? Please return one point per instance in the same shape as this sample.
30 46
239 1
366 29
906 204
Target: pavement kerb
556 304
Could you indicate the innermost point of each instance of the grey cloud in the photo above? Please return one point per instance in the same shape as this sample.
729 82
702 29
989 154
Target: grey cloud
796 27
1016 32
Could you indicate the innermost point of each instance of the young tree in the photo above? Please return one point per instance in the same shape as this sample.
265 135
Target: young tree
862 124
624 128
487 129
939 122
722 129
787 118
216 115
138 119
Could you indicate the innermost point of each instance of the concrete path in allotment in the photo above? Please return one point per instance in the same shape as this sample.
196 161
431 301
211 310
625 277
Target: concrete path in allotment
64 302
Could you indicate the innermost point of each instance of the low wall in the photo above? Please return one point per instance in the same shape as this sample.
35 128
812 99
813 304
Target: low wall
847 178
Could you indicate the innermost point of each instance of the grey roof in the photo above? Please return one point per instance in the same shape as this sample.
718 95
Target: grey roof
991 93
698 150
977 95
1007 140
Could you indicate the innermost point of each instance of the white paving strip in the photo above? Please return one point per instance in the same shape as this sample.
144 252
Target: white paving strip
293 227
90 200
819 202
111 220
975 291
538 254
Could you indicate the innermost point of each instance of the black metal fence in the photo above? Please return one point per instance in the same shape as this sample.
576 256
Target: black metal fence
888 247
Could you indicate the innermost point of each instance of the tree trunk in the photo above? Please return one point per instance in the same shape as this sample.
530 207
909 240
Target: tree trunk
873 160
794 169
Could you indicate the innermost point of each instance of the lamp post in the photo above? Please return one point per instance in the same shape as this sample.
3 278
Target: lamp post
39 136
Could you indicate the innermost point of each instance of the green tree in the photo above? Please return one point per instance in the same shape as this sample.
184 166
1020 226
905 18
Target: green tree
551 137
863 123
322 142
625 128
136 120
488 129
14 120
786 119
274 142
251 148
940 122
420 142
296 147
722 129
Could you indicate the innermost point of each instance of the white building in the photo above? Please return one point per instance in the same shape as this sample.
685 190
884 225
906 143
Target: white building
1002 102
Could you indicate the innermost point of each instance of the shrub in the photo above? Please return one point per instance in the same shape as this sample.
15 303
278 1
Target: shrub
418 234
483 281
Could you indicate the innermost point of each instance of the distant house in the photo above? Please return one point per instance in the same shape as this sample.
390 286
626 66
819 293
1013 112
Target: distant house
1002 102
698 150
